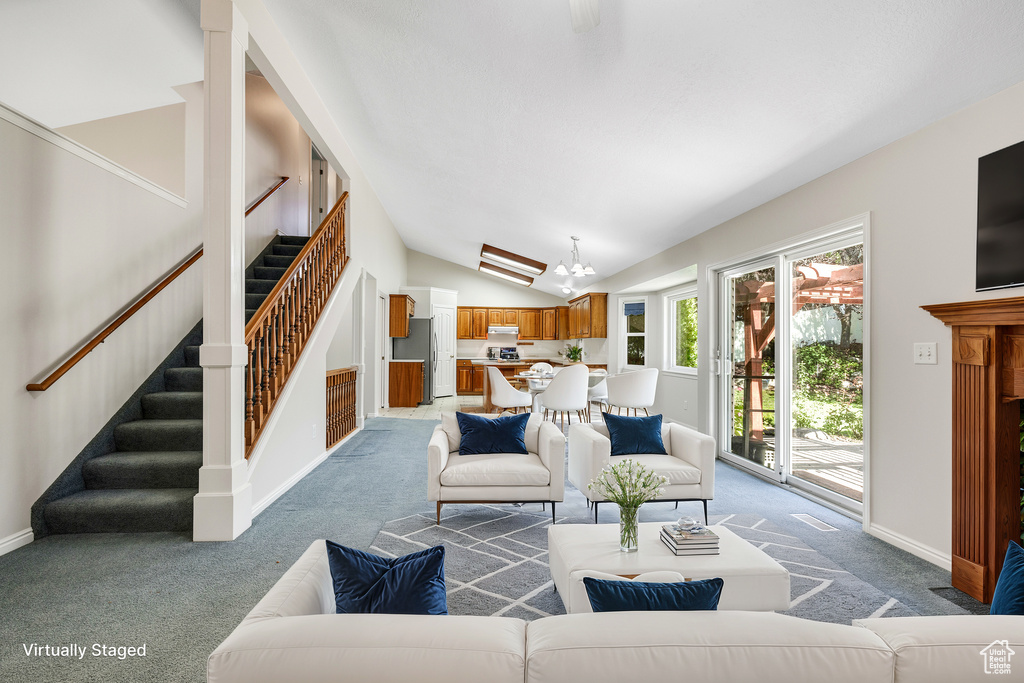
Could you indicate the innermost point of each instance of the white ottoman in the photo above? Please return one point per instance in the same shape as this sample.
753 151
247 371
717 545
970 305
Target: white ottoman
753 581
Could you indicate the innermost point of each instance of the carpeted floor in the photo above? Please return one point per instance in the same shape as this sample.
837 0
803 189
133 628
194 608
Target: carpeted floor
181 599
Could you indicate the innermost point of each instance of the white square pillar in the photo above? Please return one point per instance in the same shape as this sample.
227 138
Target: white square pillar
223 507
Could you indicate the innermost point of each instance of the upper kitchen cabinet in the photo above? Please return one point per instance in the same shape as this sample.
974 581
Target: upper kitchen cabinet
403 307
548 323
588 316
464 323
511 317
496 316
530 323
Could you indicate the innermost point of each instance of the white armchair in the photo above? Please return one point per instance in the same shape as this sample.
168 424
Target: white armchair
536 477
689 463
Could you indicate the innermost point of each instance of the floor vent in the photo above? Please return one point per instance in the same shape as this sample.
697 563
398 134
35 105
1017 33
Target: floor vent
815 522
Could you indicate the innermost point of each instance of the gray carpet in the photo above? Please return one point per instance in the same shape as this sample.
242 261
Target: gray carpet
182 599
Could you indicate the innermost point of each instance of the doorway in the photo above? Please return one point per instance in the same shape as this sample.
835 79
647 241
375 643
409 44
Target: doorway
792 349
319 201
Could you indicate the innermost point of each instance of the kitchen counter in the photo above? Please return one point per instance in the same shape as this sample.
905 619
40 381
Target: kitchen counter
405 360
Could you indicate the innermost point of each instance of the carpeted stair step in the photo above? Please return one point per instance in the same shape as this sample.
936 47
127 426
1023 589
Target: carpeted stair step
173 405
159 435
253 301
144 470
257 286
287 249
192 356
183 379
293 240
275 261
266 273
122 510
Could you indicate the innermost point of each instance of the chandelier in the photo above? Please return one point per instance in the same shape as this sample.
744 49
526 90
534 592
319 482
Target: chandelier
577 269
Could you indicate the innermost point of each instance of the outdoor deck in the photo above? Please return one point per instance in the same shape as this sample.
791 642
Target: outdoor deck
835 465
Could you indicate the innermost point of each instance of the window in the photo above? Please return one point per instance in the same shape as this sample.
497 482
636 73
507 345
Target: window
682 331
634 313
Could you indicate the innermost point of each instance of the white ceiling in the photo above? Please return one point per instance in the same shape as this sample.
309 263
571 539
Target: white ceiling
69 61
492 121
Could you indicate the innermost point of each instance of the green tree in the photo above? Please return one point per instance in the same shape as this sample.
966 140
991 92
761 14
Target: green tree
686 333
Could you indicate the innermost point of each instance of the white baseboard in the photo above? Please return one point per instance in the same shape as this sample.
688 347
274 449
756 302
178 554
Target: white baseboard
913 547
269 499
15 541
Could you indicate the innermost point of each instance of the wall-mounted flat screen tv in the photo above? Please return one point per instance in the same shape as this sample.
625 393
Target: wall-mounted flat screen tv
1001 219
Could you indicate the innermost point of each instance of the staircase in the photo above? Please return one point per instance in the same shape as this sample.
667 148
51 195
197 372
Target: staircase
147 483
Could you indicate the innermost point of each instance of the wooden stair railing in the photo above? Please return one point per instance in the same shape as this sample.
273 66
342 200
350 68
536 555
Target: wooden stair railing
280 328
134 307
341 404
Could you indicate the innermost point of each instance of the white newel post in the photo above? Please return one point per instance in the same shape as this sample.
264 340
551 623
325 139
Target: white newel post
223 506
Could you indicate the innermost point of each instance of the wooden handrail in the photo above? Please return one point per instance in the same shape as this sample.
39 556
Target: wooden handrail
275 188
129 312
277 333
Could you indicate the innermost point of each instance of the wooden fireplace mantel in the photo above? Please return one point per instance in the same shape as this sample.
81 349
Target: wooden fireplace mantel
988 383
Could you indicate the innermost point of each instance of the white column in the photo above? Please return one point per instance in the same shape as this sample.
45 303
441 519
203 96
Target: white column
223 506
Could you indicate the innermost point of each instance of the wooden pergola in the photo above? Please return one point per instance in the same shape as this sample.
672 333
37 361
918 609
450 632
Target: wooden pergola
817 283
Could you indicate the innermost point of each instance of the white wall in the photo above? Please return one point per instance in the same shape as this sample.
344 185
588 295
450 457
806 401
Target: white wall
921 193
87 243
149 142
275 147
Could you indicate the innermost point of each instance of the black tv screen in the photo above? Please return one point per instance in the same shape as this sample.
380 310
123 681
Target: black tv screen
1001 219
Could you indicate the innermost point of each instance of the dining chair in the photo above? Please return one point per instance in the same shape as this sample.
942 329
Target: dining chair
567 393
541 367
634 390
503 394
598 393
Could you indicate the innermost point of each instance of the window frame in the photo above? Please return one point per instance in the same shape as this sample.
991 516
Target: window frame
672 297
626 334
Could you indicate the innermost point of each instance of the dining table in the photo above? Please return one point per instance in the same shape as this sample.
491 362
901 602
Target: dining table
537 382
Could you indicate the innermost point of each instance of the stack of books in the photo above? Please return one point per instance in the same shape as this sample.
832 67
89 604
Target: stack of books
680 542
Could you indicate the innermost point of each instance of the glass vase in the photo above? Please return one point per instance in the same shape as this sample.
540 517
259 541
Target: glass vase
628 528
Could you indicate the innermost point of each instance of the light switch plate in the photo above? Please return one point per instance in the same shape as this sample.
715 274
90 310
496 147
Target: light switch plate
925 353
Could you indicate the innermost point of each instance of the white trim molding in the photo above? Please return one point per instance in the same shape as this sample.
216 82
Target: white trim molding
68 145
941 559
15 541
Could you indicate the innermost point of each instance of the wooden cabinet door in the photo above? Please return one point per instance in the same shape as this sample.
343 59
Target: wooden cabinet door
478 378
479 323
549 324
584 318
574 320
530 323
563 322
464 323
496 316
598 315
464 379
511 316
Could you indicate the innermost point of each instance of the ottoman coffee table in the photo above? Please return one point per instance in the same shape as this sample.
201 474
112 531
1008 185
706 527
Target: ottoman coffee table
753 581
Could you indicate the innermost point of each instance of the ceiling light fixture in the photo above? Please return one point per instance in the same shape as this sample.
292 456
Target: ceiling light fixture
512 259
505 274
566 290
577 269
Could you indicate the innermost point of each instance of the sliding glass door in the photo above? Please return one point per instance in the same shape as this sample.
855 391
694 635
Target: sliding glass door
791 377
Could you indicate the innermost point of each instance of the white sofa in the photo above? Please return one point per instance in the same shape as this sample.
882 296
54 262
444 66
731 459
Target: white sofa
689 463
538 476
293 634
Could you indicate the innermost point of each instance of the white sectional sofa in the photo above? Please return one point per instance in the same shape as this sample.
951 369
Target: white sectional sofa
293 634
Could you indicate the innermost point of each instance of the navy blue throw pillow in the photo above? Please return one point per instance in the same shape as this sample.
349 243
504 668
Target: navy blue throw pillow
634 435
500 435
369 584
1008 597
638 596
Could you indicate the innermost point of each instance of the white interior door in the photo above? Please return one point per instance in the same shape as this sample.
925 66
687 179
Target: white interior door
444 350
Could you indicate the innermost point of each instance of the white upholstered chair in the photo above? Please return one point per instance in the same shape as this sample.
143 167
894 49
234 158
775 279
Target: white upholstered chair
567 393
598 393
634 390
535 477
541 367
503 394
689 462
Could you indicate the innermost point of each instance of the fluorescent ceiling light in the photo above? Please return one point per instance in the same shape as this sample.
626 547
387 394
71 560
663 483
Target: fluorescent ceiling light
512 259
505 274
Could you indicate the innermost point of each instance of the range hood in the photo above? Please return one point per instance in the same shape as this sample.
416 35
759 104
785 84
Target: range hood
503 329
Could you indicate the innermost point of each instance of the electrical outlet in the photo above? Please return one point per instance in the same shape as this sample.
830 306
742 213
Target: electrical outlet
925 353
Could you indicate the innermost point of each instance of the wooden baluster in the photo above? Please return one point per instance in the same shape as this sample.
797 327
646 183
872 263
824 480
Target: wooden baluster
258 406
282 375
265 359
250 421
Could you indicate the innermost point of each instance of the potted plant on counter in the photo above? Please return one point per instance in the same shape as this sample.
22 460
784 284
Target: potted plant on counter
572 352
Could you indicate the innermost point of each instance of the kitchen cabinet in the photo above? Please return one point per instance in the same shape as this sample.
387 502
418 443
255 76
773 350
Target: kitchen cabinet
405 384
469 378
403 307
464 323
496 316
548 323
530 323
563 322
511 317
479 323
588 316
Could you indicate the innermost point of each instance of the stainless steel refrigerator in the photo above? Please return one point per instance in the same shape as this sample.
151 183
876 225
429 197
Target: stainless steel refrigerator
421 344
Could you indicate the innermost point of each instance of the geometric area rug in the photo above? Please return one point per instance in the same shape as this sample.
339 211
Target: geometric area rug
496 563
